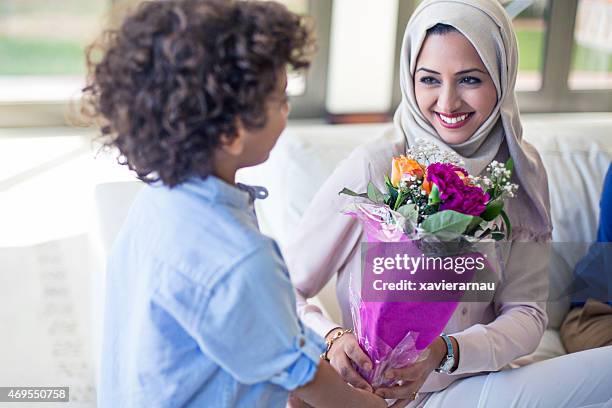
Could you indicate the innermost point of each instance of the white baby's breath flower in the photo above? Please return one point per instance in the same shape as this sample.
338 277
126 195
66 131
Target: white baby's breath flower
427 153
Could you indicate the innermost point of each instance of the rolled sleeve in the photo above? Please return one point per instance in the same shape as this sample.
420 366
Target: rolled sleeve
521 314
249 325
490 347
303 370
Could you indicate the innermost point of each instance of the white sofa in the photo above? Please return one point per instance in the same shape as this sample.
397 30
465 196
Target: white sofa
576 149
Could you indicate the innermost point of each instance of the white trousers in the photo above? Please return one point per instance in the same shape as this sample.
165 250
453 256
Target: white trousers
575 380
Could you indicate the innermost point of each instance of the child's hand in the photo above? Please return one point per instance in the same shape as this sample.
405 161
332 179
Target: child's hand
343 352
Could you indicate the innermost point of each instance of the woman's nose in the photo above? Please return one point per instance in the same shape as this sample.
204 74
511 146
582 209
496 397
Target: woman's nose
449 100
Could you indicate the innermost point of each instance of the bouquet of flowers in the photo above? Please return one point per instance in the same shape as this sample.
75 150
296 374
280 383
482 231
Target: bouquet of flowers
430 201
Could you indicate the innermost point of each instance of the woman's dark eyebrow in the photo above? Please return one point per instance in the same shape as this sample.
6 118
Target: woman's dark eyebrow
431 71
466 71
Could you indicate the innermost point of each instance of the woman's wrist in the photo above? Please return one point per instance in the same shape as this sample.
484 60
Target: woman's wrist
331 338
455 352
331 333
440 352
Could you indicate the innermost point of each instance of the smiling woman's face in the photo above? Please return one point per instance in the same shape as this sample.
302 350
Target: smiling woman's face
452 86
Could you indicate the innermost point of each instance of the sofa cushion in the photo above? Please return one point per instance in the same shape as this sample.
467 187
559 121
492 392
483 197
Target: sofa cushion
576 150
550 346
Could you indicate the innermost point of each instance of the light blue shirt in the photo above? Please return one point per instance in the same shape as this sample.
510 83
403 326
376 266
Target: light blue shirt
200 311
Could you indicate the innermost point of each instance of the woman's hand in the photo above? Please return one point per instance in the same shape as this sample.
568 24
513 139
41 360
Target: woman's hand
328 390
343 352
413 376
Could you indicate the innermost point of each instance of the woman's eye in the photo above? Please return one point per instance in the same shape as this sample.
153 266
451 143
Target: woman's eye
470 80
428 80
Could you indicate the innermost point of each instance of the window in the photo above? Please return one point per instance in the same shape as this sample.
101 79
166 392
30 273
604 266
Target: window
564 51
307 92
42 45
296 84
592 47
42 64
559 67
530 27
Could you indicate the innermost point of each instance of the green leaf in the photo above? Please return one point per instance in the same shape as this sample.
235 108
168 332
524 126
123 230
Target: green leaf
473 226
507 222
498 236
447 223
510 164
351 193
399 200
388 182
434 195
374 194
410 212
493 209
393 192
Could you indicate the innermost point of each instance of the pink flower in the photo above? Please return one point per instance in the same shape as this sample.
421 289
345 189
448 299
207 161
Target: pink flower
454 193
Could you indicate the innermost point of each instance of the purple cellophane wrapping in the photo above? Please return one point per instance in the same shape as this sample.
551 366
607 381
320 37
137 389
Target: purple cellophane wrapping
393 334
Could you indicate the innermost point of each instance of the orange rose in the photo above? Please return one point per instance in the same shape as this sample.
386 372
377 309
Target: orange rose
402 165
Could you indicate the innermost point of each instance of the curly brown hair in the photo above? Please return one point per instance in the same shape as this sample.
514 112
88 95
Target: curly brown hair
177 74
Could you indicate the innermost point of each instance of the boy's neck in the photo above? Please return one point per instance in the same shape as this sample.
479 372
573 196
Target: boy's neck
225 172
228 178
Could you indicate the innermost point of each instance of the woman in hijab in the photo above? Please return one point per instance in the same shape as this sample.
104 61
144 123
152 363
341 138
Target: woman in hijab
458 71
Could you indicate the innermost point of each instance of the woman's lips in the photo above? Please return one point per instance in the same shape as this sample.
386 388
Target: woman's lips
456 125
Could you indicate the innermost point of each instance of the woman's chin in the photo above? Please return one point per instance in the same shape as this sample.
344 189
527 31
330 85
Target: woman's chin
453 138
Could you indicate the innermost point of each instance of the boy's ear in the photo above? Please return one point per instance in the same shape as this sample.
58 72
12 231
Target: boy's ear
234 146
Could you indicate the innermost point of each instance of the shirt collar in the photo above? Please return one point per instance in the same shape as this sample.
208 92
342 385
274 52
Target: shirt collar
214 189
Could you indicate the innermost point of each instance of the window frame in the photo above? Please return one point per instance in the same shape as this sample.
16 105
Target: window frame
309 105
553 96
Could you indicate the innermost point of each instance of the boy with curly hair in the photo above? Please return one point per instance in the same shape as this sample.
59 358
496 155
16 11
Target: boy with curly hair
199 307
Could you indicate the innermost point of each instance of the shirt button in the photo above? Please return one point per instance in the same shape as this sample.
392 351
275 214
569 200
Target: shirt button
302 342
464 311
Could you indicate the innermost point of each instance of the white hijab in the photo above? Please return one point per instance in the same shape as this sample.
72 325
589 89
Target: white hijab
487 26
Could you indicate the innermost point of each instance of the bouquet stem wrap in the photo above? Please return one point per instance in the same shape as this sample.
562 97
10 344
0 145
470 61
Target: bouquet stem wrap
431 217
395 333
